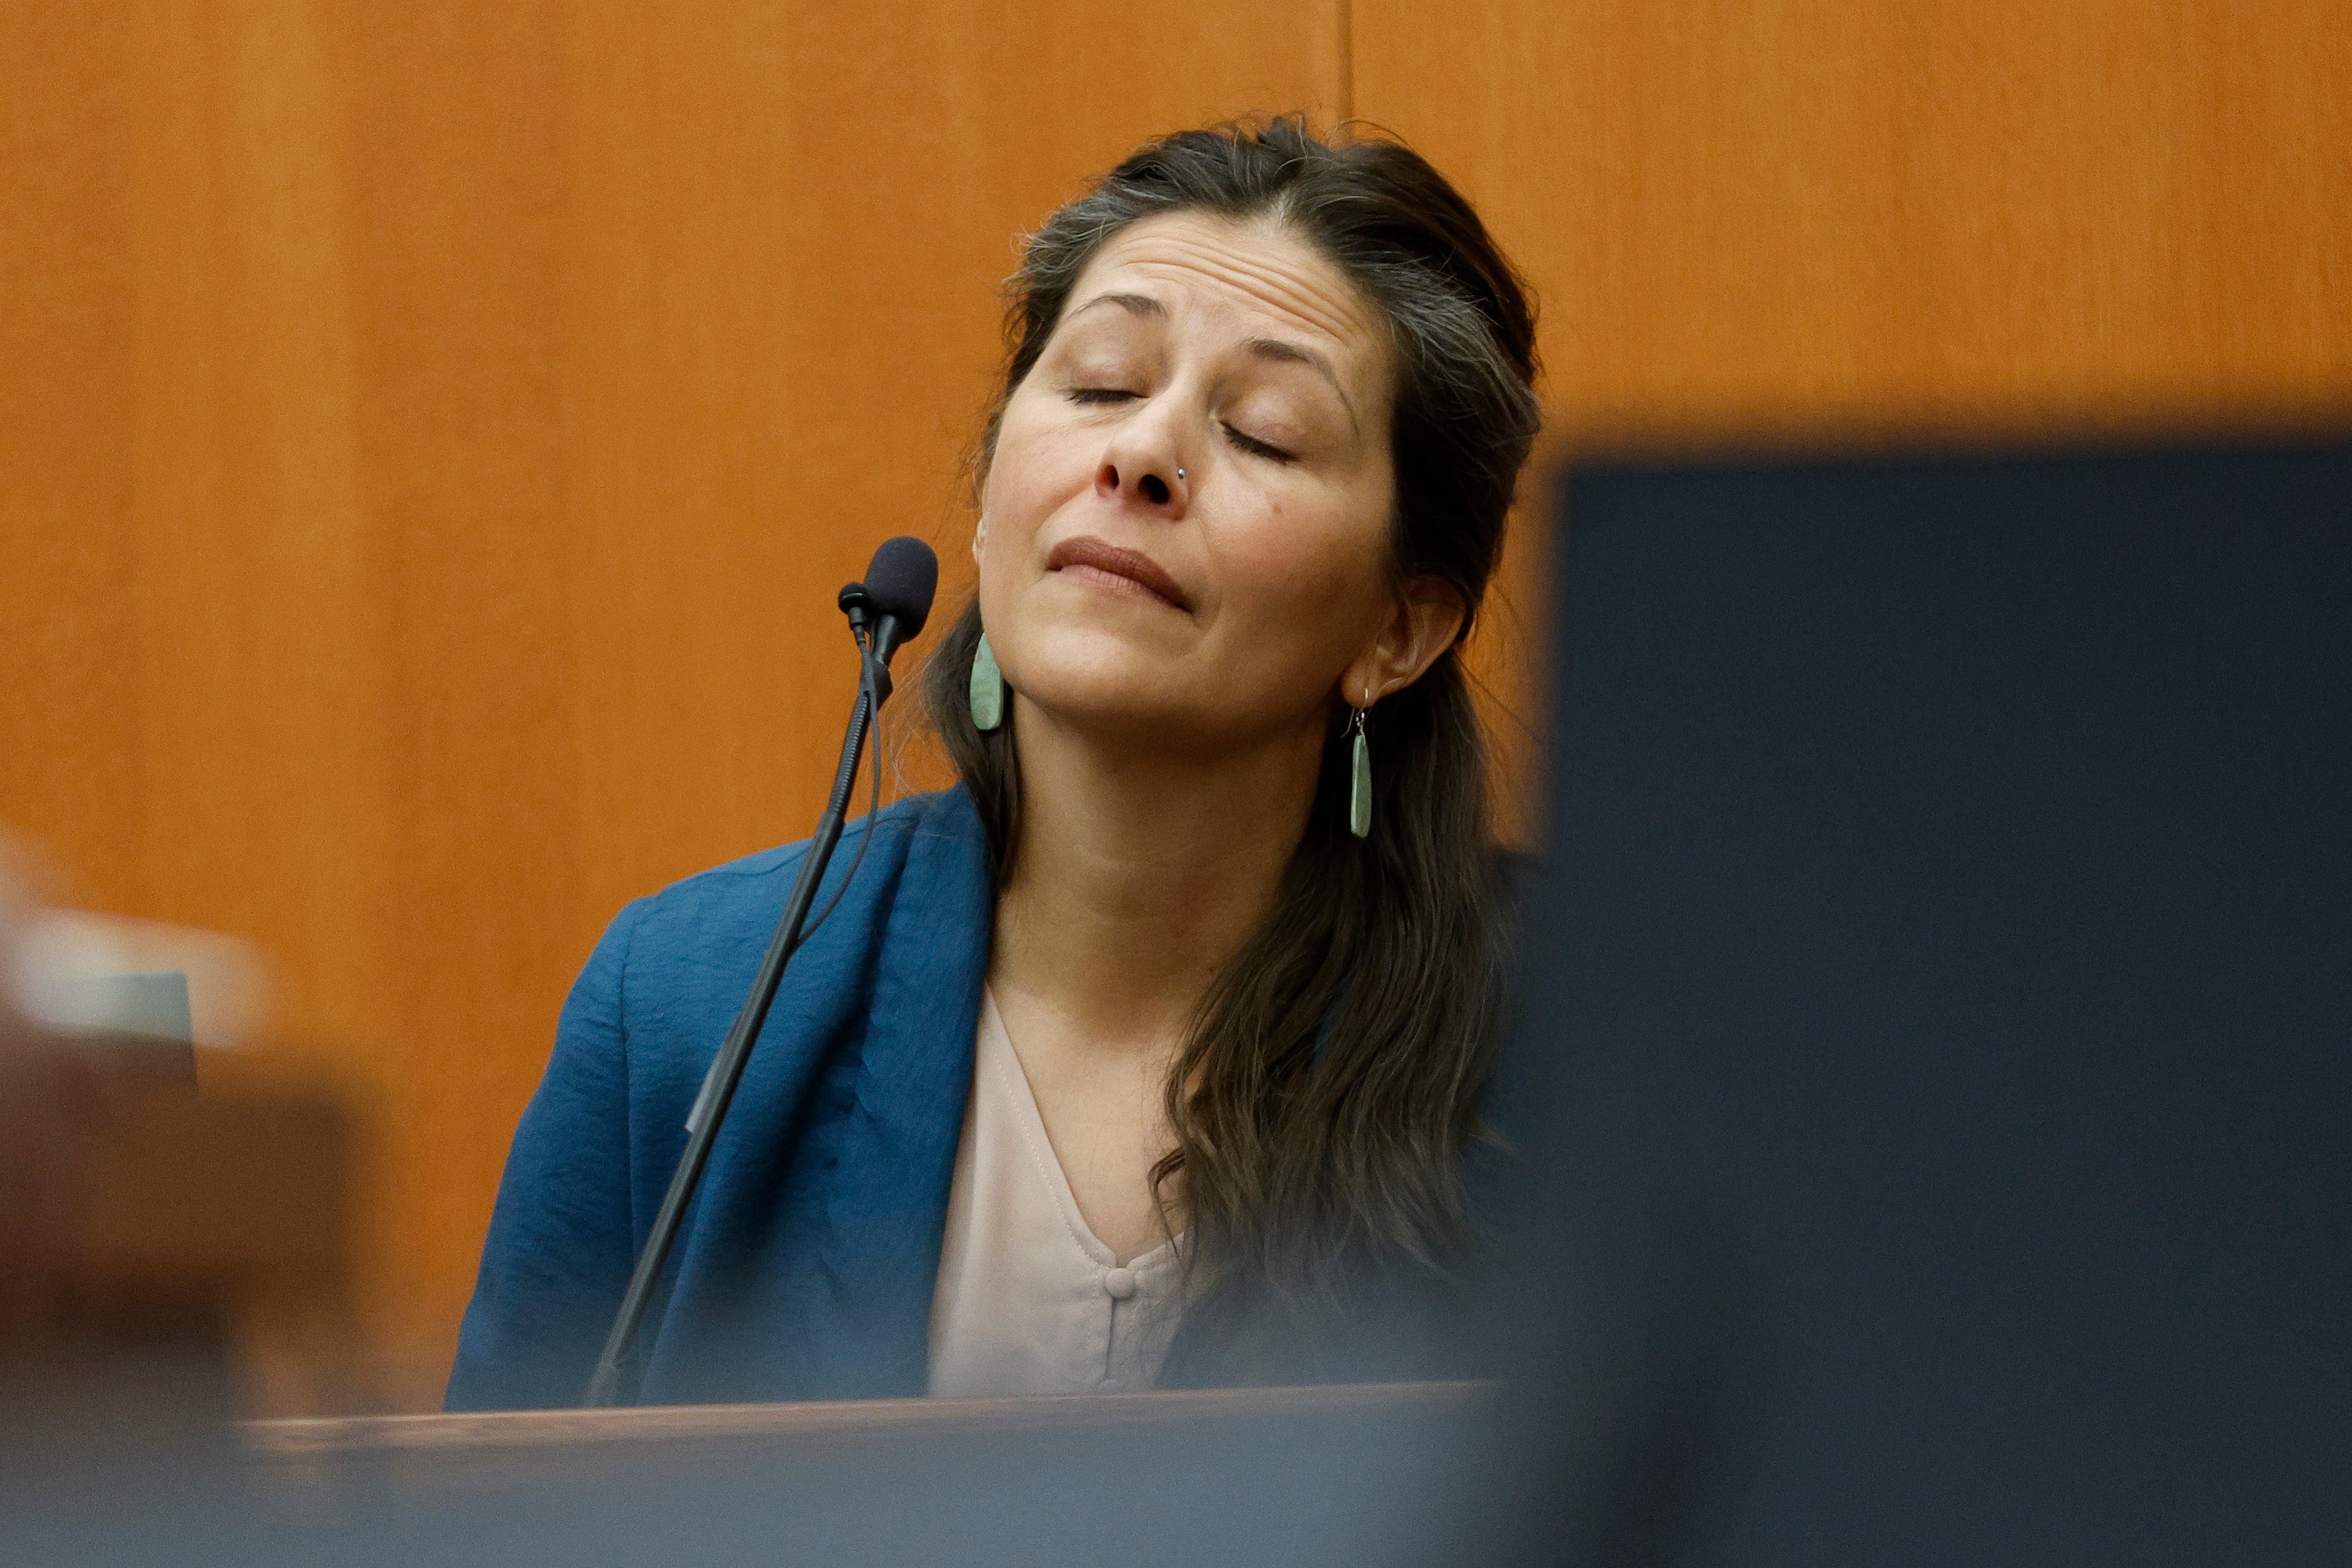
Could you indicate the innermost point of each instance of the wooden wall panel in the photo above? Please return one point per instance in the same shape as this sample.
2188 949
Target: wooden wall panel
66 674
434 435
1781 218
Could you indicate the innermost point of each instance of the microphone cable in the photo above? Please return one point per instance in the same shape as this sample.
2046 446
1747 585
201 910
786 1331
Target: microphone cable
872 749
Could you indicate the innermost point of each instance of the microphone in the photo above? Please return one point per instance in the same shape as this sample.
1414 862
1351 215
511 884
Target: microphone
890 606
885 611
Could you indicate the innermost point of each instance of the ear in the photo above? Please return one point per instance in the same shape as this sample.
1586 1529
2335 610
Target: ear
1425 619
979 538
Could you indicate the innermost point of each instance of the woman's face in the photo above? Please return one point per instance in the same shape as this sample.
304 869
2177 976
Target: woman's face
1184 528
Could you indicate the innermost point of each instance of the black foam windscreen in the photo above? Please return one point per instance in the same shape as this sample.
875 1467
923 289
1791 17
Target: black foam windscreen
901 580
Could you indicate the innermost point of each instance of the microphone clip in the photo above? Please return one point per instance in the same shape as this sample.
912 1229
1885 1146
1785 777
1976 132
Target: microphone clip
874 631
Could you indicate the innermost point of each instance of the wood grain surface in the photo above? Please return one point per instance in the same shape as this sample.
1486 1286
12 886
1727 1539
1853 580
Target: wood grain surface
431 433
434 435
1809 219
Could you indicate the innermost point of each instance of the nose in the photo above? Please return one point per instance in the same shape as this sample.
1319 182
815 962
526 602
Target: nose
1156 484
1141 466
1143 462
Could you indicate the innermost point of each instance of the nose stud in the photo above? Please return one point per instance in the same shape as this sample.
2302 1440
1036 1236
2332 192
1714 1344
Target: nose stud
1180 472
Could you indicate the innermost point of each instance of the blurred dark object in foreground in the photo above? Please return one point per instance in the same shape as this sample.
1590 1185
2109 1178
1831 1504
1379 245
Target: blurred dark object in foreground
1296 1476
136 1221
1939 1000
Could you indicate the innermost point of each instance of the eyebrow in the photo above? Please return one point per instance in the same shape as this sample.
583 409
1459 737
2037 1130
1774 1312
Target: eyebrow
1283 353
1276 350
1133 304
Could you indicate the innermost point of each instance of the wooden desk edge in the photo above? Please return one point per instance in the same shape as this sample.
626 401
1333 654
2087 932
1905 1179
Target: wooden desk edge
322 1437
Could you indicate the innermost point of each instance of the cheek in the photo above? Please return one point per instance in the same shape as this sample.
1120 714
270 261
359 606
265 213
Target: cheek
1037 466
1320 571
1032 471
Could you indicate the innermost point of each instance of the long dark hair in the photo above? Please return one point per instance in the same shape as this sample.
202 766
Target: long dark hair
1323 1097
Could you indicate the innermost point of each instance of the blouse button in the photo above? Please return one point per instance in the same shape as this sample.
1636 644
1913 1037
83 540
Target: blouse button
1119 1283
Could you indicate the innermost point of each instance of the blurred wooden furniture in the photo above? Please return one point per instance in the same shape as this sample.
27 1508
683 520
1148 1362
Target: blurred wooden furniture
140 1221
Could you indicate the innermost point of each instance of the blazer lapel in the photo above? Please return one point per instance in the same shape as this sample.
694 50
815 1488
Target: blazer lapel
895 1149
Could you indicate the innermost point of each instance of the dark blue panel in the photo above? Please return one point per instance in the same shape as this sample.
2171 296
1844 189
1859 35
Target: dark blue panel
1943 969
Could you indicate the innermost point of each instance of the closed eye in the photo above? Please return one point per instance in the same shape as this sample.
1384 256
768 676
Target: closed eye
1252 444
1101 394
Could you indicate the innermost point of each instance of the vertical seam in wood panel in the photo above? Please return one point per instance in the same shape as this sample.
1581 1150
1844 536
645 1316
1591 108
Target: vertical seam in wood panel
1347 20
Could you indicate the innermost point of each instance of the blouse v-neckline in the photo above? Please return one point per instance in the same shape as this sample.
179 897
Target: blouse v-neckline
1029 1300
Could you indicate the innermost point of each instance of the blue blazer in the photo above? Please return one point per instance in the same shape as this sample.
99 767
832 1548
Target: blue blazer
806 1266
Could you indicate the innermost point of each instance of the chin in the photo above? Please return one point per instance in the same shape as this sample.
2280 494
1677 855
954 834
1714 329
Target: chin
1098 680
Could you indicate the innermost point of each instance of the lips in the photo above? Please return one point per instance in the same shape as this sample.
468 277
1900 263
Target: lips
1133 565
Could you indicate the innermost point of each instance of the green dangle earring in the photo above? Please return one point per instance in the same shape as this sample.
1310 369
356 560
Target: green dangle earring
987 687
1360 777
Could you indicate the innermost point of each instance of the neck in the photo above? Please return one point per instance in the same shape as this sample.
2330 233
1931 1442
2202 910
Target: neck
1138 875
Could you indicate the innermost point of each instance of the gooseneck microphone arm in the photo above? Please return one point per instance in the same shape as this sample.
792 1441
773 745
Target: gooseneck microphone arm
885 611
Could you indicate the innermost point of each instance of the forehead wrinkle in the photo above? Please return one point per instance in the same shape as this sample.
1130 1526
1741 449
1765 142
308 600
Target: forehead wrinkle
1337 315
1271 270
1274 288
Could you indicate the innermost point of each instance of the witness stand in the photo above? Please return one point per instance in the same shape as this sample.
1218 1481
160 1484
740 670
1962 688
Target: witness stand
499 1448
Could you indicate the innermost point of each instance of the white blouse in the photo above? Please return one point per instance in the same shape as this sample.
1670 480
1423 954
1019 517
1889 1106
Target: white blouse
1028 1302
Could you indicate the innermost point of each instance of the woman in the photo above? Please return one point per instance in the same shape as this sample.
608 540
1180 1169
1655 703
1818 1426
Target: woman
1151 1052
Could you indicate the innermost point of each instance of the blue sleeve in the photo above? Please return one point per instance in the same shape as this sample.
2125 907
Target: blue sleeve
561 1237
